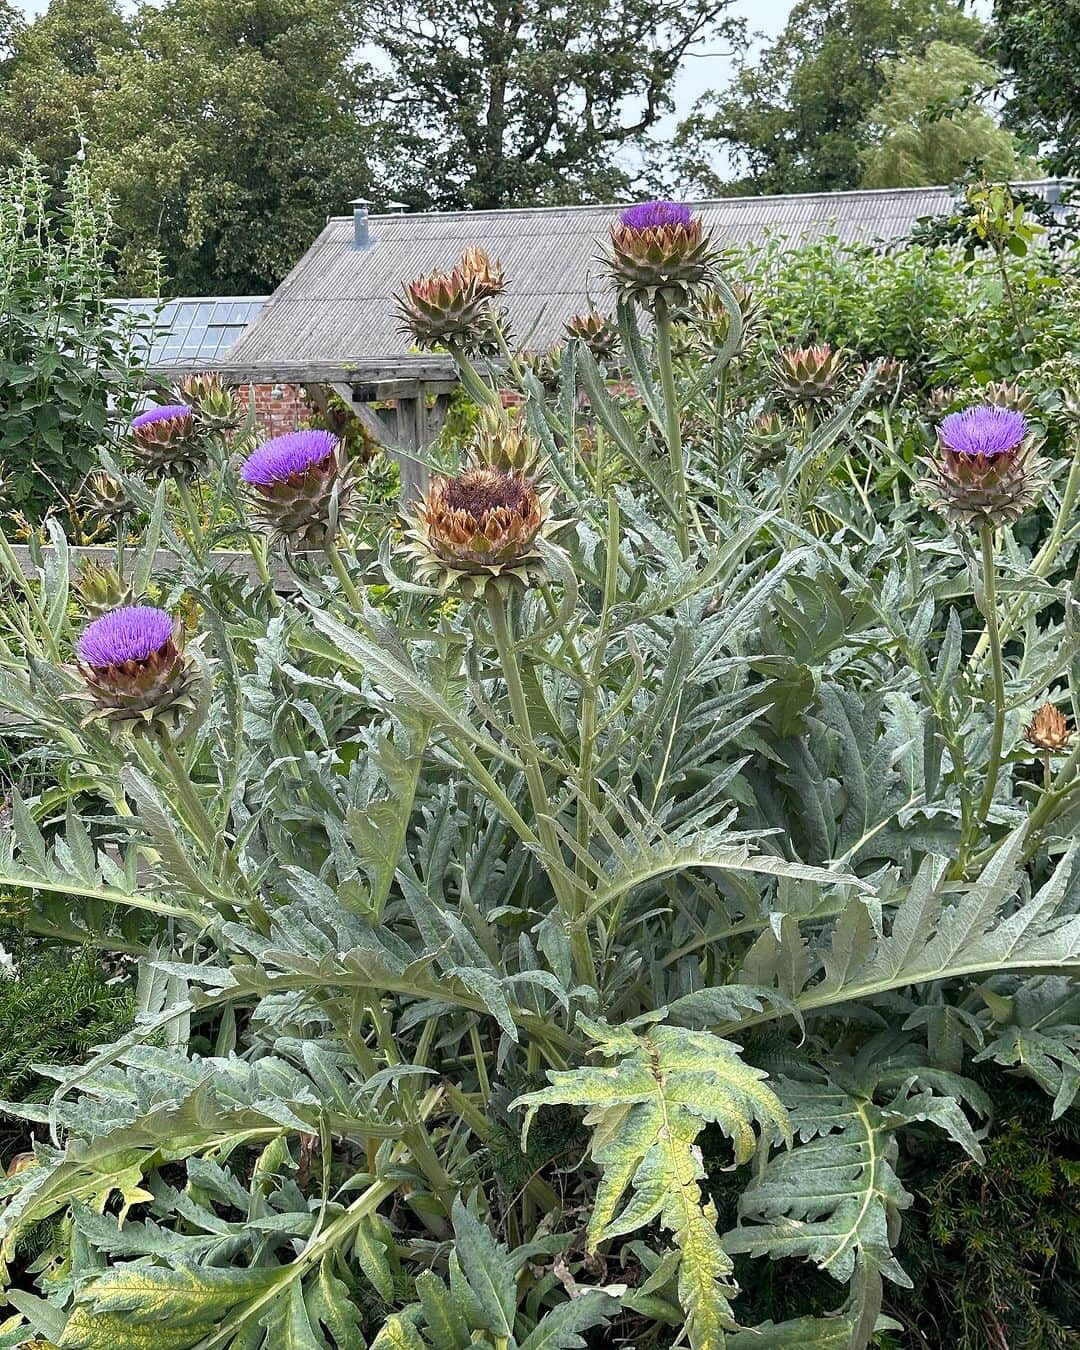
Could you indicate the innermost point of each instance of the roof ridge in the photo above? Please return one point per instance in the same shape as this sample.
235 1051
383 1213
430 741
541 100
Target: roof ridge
694 202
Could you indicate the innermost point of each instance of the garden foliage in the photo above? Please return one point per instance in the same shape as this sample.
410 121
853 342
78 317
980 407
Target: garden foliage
689 792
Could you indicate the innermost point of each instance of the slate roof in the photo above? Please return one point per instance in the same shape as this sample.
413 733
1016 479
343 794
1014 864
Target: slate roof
336 303
195 331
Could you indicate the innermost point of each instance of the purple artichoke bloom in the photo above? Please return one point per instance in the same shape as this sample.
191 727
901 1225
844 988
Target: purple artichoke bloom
285 457
655 216
134 633
172 412
983 430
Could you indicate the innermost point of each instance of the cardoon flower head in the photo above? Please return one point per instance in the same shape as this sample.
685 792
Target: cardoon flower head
656 215
135 673
133 633
987 468
171 412
287 456
299 486
164 442
983 430
480 526
659 251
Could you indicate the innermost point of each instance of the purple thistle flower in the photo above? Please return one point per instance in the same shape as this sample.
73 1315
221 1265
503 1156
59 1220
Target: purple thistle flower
284 457
134 633
983 430
172 412
655 216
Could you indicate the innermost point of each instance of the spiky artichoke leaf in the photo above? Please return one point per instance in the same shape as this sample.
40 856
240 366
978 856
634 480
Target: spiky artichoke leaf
647 1109
835 1198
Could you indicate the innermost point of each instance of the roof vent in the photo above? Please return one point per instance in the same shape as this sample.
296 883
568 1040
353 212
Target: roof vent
396 208
361 233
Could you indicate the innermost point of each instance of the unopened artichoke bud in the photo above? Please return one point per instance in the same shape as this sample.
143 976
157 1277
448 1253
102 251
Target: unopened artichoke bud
546 366
597 332
104 495
165 442
710 321
136 675
809 374
299 486
479 527
491 333
214 405
1070 404
659 250
100 588
769 436
1049 730
486 275
987 467
503 442
942 401
1009 394
441 308
887 382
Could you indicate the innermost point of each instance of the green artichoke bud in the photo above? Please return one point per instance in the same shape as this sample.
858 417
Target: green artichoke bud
597 332
769 436
104 495
214 405
502 442
809 374
100 588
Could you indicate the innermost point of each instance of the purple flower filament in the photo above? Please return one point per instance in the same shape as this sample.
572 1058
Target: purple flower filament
655 216
286 457
134 633
172 412
983 430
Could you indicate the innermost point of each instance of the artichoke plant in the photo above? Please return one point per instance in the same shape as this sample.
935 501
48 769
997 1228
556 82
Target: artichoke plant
547 935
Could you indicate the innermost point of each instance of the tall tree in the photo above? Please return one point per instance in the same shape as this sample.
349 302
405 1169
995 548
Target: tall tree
502 102
928 126
795 119
55 69
1038 43
224 130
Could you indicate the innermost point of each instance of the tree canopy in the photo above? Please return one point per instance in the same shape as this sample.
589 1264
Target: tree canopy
926 128
1039 46
503 103
795 120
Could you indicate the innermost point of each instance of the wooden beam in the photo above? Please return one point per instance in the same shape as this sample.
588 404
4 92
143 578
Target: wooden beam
233 563
375 370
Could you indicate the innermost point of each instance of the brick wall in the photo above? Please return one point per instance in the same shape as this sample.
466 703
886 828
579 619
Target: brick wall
278 407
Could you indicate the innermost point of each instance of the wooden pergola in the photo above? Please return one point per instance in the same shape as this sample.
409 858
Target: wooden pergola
418 387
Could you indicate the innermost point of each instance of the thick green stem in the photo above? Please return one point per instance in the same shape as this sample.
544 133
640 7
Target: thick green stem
337 563
534 778
198 819
1044 560
672 428
191 516
989 605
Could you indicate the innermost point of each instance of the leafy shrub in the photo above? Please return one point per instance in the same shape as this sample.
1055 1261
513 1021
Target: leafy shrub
65 349
696 822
